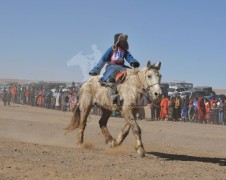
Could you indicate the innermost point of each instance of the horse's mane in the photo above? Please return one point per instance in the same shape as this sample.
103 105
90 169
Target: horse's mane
134 71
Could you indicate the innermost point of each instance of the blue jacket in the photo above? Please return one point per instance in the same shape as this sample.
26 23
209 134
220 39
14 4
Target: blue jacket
107 58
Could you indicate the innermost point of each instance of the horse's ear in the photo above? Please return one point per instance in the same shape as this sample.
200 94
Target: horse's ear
149 64
158 65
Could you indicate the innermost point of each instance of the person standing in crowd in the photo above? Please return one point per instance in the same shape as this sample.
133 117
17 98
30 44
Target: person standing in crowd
48 95
201 110
65 101
75 101
184 106
32 96
53 101
155 109
195 106
190 110
164 107
212 101
214 114
19 94
43 98
27 95
9 97
23 97
57 97
220 106
5 96
171 109
177 108
207 108
39 97
13 92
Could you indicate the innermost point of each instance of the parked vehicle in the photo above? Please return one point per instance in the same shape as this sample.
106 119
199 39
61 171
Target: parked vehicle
183 84
164 88
175 90
207 89
192 94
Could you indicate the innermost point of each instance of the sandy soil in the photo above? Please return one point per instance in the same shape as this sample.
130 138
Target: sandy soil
33 146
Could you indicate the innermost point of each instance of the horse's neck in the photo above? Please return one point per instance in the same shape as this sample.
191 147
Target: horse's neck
133 82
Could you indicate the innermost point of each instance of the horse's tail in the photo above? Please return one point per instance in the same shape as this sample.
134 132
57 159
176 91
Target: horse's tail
75 120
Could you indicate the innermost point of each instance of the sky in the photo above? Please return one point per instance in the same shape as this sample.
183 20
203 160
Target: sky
56 40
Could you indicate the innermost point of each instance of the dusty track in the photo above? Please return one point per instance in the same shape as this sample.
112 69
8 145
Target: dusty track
33 146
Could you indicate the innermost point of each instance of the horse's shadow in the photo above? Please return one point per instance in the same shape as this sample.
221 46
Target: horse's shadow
176 157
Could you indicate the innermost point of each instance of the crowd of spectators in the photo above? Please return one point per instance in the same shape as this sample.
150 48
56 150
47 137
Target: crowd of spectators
198 110
36 95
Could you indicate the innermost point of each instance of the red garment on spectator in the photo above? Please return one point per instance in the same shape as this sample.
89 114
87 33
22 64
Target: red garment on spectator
207 108
212 102
27 92
201 108
40 98
13 90
164 108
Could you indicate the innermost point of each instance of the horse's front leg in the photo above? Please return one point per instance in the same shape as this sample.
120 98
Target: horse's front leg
122 135
137 134
130 115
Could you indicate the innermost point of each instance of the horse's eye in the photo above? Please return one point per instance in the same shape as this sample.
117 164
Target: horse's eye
149 76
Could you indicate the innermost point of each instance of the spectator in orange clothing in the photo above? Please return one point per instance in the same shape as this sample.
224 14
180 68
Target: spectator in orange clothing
164 107
13 92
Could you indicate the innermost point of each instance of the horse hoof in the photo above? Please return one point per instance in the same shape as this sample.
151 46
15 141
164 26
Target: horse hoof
141 152
112 143
80 145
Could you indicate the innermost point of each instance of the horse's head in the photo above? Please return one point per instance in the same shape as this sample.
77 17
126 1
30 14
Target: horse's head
152 79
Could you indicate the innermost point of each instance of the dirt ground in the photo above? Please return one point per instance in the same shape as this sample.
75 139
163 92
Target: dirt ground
33 146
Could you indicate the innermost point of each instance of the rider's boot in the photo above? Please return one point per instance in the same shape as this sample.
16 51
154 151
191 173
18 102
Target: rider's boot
114 95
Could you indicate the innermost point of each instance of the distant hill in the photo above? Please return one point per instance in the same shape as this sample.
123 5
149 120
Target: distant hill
220 91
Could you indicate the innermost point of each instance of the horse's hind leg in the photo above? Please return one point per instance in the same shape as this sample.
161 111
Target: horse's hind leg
84 115
103 125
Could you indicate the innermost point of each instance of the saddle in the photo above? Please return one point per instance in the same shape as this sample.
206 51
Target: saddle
113 76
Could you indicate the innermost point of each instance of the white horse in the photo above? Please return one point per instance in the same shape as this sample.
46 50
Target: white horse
137 81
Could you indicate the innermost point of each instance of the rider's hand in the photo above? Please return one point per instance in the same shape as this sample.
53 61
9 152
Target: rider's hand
92 74
135 64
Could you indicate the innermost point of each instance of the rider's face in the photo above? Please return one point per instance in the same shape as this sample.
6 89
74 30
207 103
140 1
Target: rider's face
122 44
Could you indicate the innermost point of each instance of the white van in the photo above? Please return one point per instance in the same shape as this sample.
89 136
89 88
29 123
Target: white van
175 90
